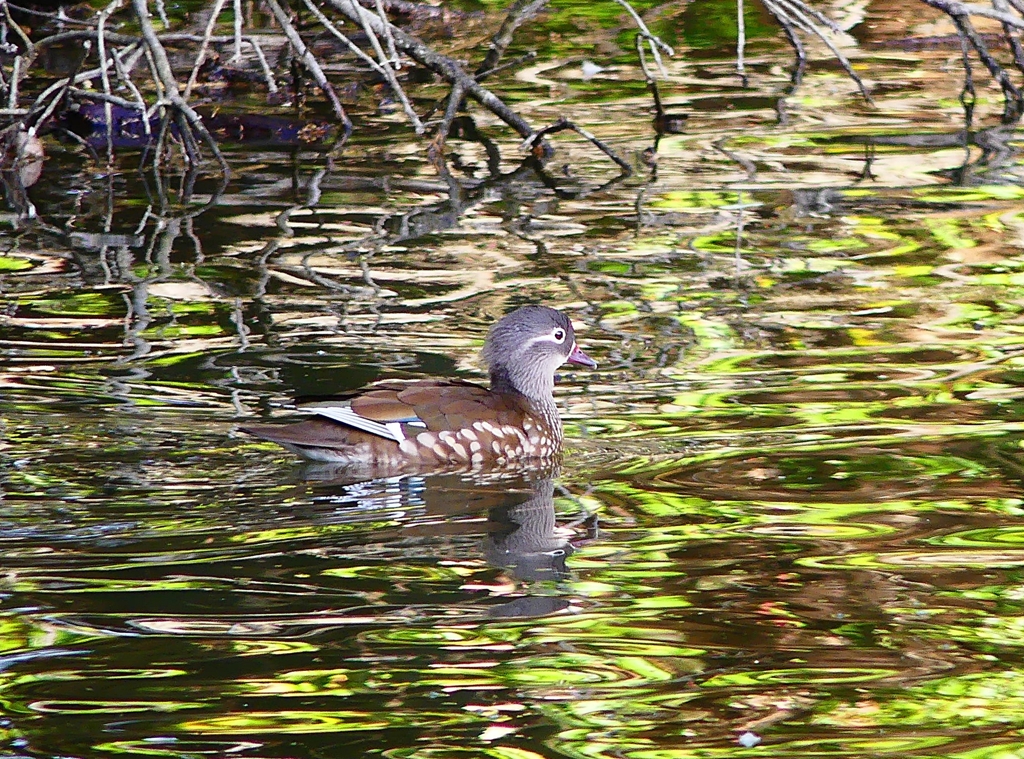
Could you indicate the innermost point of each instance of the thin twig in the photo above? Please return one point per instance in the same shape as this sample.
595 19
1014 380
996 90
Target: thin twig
108 113
562 124
267 73
1011 35
967 96
383 70
653 40
520 12
310 62
353 48
389 73
797 13
741 39
953 8
392 58
515 63
211 23
187 118
1011 95
64 19
638 41
123 74
237 12
446 67
103 97
454 103
798 49
12 94
746 163
814 13
157 83
12 24
161 11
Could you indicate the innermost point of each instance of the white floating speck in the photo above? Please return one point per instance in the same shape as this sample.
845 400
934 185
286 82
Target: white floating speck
590 70
748 740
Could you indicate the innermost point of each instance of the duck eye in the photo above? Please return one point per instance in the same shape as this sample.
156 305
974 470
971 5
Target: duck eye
559 335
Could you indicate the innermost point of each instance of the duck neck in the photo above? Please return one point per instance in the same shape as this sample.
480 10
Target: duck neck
540 401
526 381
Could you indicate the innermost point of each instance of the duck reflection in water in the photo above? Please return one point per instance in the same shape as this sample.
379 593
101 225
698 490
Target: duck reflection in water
525 539
521 535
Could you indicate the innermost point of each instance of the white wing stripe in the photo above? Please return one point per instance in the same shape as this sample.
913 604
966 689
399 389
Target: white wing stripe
345 415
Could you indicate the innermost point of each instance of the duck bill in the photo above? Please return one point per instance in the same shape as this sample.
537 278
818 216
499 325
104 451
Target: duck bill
579 357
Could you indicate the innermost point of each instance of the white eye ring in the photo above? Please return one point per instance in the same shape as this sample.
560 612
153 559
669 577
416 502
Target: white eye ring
559 335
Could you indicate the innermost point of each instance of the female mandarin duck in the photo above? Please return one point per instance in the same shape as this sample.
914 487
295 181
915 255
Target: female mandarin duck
435 422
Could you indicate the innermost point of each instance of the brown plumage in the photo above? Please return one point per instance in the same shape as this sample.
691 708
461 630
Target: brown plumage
435 422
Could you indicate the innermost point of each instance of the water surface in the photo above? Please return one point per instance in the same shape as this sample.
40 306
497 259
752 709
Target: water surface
791 503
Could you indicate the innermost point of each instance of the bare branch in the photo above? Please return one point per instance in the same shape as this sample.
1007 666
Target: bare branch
310 62
800 15
186 116
211 23
446 67
653 40
520 12
385 64
237 57
562 124
1013 101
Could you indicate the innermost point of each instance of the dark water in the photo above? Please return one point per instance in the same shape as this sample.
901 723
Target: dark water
791 504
